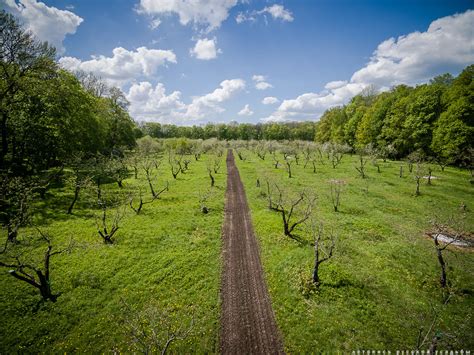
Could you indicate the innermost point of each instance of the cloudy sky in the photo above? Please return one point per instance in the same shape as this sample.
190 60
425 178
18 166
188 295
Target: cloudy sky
195 61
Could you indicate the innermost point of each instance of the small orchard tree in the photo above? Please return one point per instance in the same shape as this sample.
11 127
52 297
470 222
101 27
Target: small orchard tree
141 202
293 211
324 247
443 236
106 227
34 273
362 161
150 166
80 179
336 190
175 163
153 330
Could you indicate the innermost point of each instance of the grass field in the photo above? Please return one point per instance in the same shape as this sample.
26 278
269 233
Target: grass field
382 285
162 273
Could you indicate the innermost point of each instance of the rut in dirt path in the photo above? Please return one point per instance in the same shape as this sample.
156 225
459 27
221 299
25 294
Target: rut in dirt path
247 321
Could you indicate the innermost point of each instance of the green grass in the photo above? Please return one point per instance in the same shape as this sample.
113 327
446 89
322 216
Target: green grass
383 282
168 257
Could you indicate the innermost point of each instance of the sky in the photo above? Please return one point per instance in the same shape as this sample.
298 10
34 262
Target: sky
190 62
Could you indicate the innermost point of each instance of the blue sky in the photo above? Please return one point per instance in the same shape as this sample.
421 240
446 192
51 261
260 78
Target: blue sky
190 62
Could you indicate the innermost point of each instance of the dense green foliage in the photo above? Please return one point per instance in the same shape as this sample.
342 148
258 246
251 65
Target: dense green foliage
233 130
46 114
381 288
435 119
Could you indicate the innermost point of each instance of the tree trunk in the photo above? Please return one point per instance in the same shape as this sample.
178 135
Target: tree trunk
316 279
212 179
45 287
442 280
76 196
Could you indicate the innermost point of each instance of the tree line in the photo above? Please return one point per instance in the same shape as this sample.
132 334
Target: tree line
47 115
434 119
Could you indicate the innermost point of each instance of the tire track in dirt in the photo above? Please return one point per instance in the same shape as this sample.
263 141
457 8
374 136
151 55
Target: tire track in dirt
247 321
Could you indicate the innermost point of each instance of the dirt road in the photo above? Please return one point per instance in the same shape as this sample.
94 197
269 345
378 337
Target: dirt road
247 321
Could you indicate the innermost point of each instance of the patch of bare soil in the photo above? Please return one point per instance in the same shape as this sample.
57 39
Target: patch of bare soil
247 320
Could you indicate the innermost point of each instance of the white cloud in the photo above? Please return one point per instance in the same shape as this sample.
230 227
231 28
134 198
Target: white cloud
260 83
335 84
209 103
270 100
447 46
148 103
263 85
124 65
246 111
210 13
258 78
205 49
277 12
155 23
47 23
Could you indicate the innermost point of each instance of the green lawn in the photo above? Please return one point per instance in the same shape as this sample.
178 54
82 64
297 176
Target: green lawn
164 270
382 285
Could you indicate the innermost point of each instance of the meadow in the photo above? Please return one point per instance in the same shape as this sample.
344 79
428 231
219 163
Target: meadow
381 289
159 279
157 285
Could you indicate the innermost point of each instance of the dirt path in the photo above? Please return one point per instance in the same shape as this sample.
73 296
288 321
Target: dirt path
247 321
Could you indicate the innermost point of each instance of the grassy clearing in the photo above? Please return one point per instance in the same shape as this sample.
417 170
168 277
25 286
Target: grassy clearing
383 283
166 259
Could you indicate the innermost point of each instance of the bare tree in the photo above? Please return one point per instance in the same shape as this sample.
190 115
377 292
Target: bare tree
418 175
34 275
150 166
288 207
276 160
443 236
361 167
336 190
105 230
288 161
141 202
153 330
175 164
323 248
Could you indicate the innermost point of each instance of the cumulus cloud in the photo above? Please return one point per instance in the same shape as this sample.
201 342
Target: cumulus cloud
47 23
270 100
246 111
447 46
124 65
277 12
210 13
148 103
260 83
205 49
209 103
